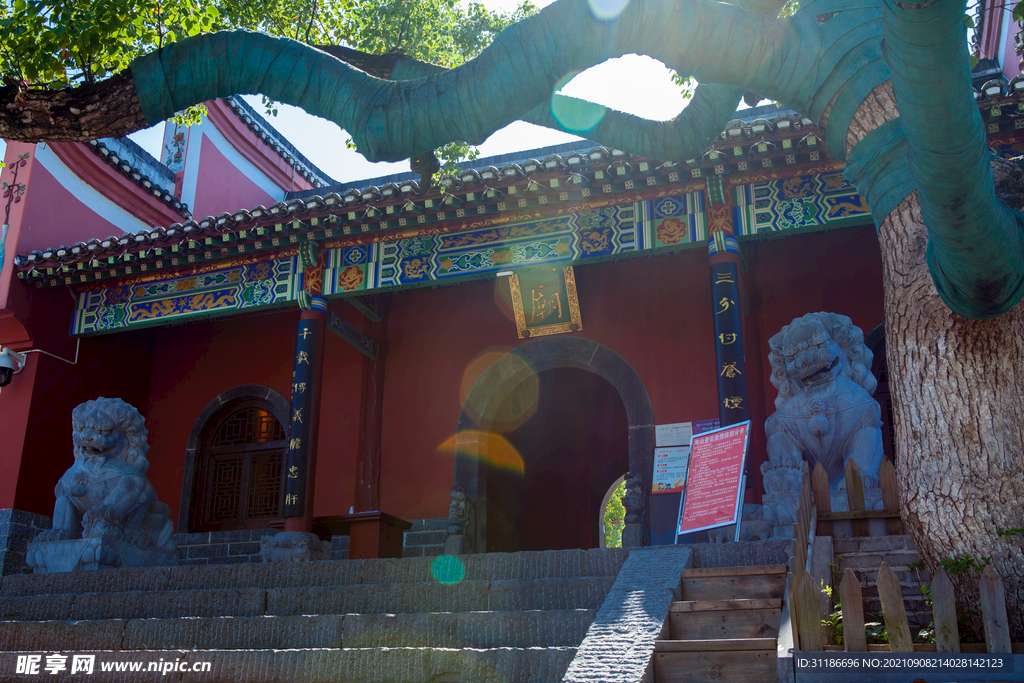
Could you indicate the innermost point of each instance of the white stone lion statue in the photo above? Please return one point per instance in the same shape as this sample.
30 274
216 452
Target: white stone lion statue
106 494
825 412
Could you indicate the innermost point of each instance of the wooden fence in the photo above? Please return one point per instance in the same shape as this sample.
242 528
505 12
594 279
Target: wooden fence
814 516
859 516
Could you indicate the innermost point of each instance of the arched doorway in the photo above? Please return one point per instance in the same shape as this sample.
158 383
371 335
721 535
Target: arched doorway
526 363
573 447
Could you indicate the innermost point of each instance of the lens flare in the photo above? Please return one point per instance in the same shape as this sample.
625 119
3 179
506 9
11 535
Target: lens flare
577 116
447 569
514 406
606 10
487 447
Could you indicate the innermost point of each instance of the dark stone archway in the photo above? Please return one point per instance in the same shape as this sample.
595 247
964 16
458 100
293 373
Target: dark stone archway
533 357
279 407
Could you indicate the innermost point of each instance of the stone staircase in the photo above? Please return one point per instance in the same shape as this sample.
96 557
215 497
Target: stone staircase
864 555
478 618
725 629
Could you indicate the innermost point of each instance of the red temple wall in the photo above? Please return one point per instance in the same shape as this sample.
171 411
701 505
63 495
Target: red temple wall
193 364
54 216
656 313
111 366
788 275
221 186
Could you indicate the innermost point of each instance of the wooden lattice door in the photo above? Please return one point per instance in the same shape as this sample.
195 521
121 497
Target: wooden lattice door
241 469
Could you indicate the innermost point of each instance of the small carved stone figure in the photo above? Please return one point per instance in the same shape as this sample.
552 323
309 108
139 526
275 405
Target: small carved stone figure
460 523
825 412
294 546
107 513
633 500
459 511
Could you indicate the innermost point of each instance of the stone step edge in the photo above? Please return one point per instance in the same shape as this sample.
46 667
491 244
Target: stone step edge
288 616
527 565
313 650
382 584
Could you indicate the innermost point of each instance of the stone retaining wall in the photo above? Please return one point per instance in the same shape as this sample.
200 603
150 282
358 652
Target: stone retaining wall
17 528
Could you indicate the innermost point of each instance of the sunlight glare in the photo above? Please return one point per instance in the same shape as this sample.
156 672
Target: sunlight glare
487 447
606 10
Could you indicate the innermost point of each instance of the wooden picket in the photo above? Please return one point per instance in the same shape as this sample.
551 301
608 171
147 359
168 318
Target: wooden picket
814 516
855 497
858 514
947 633
893 613
804 611
852 602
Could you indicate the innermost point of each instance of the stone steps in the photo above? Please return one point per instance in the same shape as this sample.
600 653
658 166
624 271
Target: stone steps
864 556
468 596
483 567
357 665
536 628
499 617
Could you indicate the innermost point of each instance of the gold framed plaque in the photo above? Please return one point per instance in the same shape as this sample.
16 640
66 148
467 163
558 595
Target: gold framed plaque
544 301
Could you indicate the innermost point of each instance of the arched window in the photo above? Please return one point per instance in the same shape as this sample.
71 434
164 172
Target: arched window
241 467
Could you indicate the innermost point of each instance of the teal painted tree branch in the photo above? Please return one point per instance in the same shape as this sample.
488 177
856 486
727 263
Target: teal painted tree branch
975 241
395 120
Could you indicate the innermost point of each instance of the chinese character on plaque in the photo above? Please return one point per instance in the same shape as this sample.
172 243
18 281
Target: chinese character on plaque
544 301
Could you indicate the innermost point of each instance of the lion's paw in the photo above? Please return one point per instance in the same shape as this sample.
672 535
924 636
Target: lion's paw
53 535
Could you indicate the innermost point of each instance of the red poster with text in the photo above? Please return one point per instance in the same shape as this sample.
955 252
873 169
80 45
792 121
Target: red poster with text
713 492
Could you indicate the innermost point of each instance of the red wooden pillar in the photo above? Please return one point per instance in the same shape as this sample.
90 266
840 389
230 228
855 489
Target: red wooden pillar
368 475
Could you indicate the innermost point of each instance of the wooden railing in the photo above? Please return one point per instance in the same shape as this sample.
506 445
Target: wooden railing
857 515
996 628
814 517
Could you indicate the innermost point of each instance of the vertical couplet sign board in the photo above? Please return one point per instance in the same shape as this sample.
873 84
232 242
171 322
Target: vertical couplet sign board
714 493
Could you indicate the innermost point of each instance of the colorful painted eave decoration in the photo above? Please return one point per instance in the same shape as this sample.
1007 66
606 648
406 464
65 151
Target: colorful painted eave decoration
598 231
244 287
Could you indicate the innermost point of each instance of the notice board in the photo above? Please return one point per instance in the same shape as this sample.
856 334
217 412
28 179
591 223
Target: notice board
714 483
671 459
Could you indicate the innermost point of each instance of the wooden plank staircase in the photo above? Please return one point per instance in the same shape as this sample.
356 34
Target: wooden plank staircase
725 629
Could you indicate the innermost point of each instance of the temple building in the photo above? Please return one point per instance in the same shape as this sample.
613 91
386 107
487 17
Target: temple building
484 361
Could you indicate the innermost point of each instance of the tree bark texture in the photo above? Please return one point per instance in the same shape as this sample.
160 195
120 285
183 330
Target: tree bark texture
958 397
958 402
108 109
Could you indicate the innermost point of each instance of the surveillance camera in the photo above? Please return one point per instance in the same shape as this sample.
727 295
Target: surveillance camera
11 363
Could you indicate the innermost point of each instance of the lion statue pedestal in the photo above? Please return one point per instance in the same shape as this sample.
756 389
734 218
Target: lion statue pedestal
107 514
824 413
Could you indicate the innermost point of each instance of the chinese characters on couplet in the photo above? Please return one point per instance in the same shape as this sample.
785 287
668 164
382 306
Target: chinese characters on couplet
728 343
303 378
733 402
730 370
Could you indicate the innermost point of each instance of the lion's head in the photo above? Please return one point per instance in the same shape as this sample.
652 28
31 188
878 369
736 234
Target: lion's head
818 348
109 428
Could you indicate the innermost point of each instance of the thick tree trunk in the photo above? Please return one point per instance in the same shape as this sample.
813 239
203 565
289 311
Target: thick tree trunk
958 395
959 404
